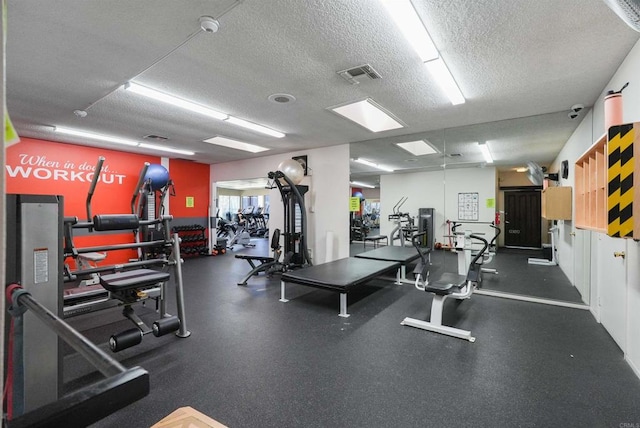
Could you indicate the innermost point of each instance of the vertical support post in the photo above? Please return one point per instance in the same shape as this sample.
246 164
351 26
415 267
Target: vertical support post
182 332
343 306
283 299
436 309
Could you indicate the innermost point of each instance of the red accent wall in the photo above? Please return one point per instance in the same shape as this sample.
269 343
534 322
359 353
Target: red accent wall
48 168
191 179
51 168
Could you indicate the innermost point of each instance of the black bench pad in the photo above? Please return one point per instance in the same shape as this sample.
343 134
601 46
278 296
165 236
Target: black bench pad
263 259
448 283
132 279
375 237
391 253
340 275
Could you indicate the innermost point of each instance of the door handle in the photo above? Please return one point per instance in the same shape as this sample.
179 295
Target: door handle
619 254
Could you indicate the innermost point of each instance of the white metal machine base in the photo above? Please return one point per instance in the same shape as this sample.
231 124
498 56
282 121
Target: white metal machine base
435 325
545 262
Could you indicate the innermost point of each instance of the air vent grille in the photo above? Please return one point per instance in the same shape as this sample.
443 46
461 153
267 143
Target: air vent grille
155 137
361 72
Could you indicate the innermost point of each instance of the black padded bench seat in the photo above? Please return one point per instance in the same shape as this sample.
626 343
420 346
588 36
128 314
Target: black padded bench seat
392 253
132 279
375 239
339 275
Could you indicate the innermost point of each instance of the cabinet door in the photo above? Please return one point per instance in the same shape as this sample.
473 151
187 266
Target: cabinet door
611 283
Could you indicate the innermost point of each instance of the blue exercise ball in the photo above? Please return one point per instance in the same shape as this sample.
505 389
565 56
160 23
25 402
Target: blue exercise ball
157 176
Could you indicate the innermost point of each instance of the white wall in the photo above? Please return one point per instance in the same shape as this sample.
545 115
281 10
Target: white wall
438 190
579 143
626 289
327 201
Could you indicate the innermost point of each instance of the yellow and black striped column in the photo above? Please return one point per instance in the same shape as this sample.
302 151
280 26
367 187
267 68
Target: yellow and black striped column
620 180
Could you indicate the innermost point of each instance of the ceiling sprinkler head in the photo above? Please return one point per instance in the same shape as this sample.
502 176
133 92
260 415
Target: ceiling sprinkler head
209 24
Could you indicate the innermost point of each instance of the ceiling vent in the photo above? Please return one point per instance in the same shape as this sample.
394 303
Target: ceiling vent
361 72
155 137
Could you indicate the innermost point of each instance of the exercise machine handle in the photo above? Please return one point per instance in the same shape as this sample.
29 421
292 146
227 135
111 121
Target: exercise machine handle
92 186
136 190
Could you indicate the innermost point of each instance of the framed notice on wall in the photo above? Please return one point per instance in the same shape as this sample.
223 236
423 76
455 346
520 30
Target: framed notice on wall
468 206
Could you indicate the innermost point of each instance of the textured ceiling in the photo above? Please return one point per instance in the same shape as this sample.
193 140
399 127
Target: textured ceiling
520 64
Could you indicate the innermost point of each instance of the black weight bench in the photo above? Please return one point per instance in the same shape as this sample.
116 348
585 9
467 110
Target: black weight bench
340 275
138 278
128 287
267 264
392 253
375 239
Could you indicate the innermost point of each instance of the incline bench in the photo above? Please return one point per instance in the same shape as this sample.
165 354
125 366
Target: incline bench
340 275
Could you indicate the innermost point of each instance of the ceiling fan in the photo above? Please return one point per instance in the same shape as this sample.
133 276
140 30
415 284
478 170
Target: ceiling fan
536 174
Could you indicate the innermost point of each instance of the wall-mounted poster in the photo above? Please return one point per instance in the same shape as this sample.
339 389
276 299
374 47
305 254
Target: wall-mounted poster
468 206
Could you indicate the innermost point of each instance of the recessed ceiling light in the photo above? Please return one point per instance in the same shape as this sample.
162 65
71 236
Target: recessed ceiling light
408 21
234 144
484 148
281 98
174 101
254 127
373 165
359 184
441 74
118 140
418 148
369 114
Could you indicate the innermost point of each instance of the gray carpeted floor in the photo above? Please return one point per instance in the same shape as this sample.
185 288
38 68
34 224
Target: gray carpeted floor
253 361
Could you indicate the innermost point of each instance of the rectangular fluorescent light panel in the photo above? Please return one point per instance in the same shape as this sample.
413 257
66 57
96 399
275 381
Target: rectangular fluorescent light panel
484 148
418 148
358 184
439 71
408 21
117 140
254 127
175 101
366 113
373 165
101 137
233 144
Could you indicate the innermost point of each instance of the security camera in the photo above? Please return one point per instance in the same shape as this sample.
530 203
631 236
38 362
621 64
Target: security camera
576 108
573 115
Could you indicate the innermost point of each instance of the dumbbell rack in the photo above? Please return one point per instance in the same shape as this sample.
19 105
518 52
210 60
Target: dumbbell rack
193 240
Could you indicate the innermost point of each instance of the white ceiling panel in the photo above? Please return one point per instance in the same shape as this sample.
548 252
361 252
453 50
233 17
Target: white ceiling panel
520 65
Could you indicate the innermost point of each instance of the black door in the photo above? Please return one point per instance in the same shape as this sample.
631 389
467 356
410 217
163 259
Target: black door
523 220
